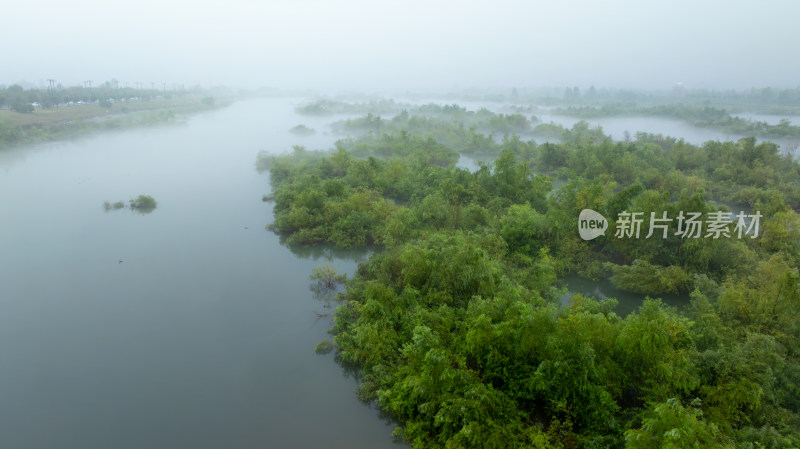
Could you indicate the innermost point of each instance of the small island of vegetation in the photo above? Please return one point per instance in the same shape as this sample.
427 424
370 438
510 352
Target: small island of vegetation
143 204
302 130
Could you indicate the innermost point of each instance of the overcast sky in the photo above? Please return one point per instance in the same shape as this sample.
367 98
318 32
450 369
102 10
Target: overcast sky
409 44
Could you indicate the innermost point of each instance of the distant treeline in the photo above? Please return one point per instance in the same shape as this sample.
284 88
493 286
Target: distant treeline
765 95
707 116
765 99
329 107
26 100
65 112
417 117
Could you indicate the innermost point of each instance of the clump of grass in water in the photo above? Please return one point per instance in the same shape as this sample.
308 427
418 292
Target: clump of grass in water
324 347
107 205
143 204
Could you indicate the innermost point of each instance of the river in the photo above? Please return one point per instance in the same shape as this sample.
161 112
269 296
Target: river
189 327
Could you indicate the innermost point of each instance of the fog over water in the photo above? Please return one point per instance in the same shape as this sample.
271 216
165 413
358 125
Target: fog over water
193 326
409 44
190 327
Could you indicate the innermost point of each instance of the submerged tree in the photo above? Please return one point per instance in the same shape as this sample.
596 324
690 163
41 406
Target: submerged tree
327 277
327 283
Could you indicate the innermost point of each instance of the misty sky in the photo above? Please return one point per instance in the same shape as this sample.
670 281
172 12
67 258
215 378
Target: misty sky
409 44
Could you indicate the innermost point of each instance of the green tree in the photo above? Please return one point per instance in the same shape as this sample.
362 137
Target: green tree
144 203
670 425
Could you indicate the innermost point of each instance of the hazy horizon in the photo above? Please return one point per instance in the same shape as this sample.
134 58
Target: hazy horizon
360 45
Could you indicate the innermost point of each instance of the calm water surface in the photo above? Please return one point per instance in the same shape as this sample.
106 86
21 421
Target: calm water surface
627 302
190 327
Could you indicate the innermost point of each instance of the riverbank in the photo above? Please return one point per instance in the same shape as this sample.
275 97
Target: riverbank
81 119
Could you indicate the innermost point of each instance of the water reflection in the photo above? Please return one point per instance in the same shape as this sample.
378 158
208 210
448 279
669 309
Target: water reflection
604 290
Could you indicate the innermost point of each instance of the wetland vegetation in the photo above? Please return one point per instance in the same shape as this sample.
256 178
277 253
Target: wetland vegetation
143 204
455 322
